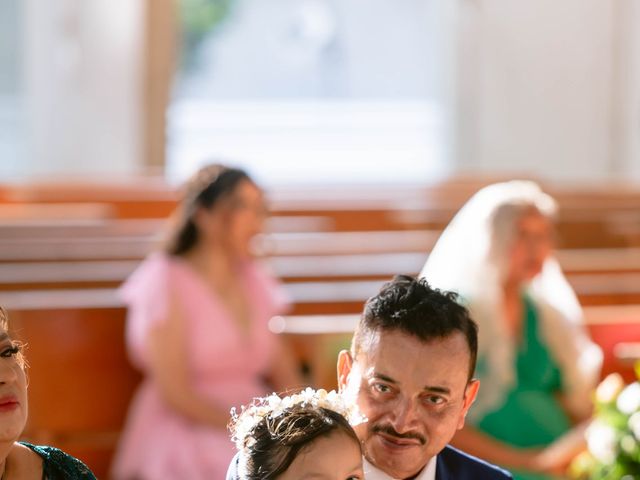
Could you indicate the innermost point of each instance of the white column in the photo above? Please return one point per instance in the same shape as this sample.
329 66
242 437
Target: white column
626 90
83 76
535 87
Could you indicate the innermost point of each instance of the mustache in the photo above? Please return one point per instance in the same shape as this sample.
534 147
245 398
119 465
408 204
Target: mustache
391 432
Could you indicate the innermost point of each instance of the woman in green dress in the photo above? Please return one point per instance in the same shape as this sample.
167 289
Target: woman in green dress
21 460
536 364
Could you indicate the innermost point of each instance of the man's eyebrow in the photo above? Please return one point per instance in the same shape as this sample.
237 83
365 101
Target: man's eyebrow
437 389
383 377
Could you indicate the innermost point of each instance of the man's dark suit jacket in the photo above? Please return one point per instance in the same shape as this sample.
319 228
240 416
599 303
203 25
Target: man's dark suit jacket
451 464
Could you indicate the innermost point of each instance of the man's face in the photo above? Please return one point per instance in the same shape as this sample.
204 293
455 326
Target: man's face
415 395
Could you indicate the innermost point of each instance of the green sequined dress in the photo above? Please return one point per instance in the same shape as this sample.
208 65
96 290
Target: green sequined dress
531 415
57 465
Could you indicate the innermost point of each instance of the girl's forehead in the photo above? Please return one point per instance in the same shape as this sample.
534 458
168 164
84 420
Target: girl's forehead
327 455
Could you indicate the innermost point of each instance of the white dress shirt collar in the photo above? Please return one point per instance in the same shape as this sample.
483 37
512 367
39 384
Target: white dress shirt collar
373 473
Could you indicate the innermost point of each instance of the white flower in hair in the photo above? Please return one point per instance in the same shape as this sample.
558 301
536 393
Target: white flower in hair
274 406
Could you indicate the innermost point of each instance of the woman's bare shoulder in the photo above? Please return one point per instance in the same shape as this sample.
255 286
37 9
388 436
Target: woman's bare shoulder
23 462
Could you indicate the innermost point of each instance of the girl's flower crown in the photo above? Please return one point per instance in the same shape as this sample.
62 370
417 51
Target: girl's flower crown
273 406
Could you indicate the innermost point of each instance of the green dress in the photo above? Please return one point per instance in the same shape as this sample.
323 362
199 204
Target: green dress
57 465
531 415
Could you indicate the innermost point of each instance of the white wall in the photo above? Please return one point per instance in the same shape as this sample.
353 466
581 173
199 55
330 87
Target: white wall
539 88
316 91
626 113
83 78
546 87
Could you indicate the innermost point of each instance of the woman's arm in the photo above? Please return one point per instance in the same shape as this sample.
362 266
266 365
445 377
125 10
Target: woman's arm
553 459
576 417
168 354
481 445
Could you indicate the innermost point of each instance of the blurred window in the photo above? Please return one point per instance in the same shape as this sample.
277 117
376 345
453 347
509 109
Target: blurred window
310 91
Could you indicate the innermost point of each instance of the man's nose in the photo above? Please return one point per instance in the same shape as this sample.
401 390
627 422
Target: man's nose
406 415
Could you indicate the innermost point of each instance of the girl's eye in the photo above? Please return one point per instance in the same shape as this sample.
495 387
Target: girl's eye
10 352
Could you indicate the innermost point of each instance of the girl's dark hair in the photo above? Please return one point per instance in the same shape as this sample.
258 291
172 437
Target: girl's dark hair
206 187
274 443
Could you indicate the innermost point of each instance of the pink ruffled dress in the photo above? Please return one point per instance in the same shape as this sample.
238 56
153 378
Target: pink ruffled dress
225 365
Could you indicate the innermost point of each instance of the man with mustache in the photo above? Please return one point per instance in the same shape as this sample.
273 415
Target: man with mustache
410 371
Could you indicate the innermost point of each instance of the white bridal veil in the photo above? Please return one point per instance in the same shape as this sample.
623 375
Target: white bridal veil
469 258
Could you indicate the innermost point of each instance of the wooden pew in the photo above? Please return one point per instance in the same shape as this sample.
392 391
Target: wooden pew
69 249
589 217
616 328
35 212
594 272
276 244
331 297
69 226
111 273
65 275
127 198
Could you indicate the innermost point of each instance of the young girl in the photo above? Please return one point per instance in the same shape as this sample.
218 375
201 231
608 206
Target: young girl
288 438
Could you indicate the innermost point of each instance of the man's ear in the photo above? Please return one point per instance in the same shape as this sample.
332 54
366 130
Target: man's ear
345 362
469 397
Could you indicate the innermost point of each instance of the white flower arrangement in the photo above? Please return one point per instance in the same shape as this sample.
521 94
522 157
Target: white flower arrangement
274 406
613 437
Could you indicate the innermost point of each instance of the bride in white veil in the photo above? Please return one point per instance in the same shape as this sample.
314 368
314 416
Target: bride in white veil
496 253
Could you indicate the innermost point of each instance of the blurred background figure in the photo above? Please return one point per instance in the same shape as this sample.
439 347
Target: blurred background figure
197 328
536 364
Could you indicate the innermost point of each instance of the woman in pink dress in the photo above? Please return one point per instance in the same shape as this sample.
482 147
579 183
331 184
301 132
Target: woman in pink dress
197 329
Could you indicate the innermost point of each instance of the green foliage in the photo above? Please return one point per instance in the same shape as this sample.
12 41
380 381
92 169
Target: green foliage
199 18
614 434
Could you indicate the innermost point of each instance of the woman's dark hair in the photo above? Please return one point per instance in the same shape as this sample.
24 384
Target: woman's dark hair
207 187
274 442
